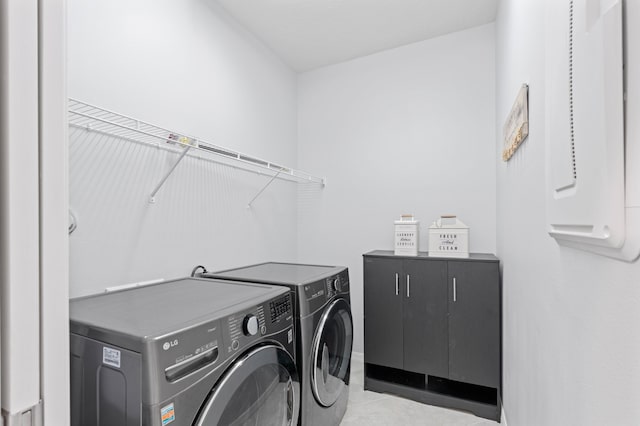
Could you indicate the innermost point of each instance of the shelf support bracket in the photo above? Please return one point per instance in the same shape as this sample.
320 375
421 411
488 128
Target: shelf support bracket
262 190
152 199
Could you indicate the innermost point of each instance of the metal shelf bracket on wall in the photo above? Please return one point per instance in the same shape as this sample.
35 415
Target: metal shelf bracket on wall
95 119
152 199
262 190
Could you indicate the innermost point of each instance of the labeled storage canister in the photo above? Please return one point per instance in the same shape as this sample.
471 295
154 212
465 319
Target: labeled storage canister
449 237
406 236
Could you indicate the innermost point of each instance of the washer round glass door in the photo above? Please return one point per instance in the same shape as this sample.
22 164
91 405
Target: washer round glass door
331 353
261 388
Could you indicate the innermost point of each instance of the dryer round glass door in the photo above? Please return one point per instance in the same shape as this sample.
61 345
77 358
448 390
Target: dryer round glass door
332 353
260 388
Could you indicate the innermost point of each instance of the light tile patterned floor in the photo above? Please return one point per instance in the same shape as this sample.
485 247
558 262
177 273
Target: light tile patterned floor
373 409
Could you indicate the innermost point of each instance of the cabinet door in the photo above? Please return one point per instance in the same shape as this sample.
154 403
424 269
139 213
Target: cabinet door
383 312
425 316
474 323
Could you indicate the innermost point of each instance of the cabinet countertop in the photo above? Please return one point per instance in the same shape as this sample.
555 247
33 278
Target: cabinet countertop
473 257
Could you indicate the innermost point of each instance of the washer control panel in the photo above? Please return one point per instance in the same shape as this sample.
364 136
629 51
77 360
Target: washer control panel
185 352
245 325
183 357
280 308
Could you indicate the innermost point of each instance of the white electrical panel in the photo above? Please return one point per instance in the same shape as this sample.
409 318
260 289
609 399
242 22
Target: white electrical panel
587 203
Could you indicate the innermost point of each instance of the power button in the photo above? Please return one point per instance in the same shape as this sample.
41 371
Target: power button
235 345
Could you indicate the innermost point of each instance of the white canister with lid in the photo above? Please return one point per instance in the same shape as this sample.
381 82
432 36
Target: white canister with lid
406 236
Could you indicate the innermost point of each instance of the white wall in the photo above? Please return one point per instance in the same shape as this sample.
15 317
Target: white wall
409 130
571 337
187 67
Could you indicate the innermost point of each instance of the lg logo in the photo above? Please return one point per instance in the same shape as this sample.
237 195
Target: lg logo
168 345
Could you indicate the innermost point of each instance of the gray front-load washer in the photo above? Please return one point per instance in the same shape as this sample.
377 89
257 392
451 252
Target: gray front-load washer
184 352
324 330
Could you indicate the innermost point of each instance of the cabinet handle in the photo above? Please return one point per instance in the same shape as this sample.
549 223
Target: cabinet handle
397 286
408 285
454 289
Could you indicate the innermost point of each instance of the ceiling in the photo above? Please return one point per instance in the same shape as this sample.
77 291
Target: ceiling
308 34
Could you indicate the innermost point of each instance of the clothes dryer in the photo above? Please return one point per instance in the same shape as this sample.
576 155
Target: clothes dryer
324 331
184 352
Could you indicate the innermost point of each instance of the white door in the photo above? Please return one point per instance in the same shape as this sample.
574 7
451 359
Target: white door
33 205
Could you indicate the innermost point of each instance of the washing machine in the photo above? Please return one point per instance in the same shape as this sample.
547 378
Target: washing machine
184 352
324 331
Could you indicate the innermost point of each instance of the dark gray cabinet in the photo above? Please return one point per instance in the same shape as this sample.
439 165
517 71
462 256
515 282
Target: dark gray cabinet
474 322
384 341
405 311
433 329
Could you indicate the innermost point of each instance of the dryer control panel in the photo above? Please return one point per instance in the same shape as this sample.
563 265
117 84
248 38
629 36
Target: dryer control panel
319 293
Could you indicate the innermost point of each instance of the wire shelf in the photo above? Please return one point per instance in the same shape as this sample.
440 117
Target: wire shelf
93 118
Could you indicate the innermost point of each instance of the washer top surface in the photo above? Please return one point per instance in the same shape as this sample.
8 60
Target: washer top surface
153 310
279 273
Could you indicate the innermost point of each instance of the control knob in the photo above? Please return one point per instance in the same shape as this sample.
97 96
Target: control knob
250 325
335 284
